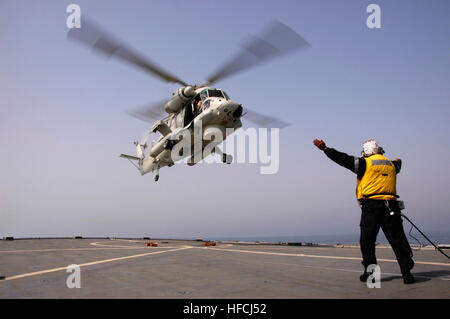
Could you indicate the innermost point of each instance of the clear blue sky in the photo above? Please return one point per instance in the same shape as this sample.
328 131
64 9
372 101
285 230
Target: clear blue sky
63 121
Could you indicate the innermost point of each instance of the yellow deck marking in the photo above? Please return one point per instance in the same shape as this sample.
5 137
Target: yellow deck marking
91 263
103 247
71 249
102 244
277 246
324 257
345 270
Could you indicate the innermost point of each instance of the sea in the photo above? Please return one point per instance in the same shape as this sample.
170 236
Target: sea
414 238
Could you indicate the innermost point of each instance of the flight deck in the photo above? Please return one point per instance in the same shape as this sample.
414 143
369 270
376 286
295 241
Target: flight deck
173 269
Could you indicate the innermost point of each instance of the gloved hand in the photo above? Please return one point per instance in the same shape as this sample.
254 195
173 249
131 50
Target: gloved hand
398 160
320 144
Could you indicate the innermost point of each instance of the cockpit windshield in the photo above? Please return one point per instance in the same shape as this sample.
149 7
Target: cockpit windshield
215 93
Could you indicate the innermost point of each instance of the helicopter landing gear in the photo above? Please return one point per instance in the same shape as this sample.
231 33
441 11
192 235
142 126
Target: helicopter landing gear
156 178
225 157
156 174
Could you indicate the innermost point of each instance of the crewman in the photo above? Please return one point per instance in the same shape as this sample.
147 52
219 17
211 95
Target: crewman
377 196
199 106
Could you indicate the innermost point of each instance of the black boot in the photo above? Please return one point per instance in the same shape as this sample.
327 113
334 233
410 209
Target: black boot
365 276
408 278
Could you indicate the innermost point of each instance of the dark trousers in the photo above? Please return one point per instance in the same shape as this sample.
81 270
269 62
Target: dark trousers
376 214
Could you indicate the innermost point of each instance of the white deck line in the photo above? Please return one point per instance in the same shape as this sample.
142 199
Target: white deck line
90 264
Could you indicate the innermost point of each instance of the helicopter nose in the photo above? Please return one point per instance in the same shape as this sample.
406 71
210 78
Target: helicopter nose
238 111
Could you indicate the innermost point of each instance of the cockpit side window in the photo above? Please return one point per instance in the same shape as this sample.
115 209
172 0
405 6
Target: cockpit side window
206 105
226 95
204 95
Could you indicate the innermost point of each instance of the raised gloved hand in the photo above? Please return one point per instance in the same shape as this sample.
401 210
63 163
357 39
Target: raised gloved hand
320 144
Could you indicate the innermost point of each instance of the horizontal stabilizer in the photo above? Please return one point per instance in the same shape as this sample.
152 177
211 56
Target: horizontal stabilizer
134 158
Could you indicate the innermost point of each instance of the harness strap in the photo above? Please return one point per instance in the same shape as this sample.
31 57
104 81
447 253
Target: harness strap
368 196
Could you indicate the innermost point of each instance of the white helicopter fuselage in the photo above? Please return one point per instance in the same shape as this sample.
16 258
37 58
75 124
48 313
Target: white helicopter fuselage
217 112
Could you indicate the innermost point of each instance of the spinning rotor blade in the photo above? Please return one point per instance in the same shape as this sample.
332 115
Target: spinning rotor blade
93 36
150 113
276 41
264 120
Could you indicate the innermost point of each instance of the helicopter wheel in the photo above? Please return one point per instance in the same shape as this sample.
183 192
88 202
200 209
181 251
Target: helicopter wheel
156 178
227 158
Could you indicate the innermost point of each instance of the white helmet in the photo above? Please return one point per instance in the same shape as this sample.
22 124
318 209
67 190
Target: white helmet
371 147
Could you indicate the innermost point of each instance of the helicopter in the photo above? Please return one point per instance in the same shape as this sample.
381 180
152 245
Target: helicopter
192 108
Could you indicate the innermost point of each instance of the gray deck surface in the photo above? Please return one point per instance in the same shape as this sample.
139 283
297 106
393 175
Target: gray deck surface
186 269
